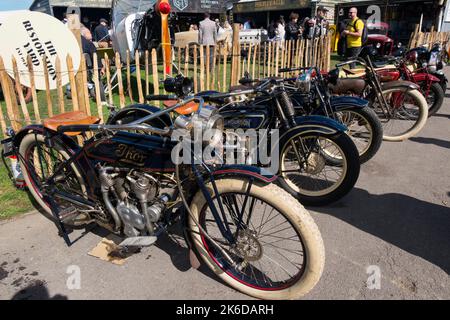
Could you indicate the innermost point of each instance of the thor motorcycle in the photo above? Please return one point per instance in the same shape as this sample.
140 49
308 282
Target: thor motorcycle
251 233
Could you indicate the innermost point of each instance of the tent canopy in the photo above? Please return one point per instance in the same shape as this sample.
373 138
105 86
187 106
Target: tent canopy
123 8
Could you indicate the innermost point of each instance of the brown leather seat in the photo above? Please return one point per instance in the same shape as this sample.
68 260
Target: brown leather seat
348 85
188 108
69 118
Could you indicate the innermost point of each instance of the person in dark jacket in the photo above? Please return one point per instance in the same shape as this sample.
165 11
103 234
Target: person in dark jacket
292 28
101 34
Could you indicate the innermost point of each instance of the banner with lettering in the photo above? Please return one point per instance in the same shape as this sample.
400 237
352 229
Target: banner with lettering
38 35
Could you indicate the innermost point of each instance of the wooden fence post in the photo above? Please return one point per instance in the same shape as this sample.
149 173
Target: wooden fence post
98 98
59 85
10 97
23 104
74 26
155 72
138 77
120 80
235 55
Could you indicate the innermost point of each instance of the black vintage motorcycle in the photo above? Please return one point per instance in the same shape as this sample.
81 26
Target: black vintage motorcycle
310 96
251 233
318 162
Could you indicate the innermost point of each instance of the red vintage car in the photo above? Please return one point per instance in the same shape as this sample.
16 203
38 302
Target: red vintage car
377 36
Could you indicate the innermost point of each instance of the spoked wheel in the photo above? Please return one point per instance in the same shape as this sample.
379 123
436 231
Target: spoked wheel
319 169
39 162
364 128
278 251
435 98
407 114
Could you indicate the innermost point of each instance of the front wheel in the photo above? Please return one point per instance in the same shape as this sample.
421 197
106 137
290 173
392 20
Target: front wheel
405 115
435 97
319 169
278 250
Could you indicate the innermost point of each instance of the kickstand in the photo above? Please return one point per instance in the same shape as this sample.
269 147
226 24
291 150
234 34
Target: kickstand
59 224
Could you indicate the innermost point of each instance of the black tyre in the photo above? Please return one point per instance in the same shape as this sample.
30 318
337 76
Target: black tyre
365 129
307 173
435 98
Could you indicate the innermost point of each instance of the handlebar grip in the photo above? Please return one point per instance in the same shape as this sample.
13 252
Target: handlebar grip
160 97
284 70
338 65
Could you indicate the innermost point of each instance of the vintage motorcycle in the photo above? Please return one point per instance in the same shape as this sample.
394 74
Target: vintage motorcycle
318 162
362 123
430 85
433 60
251 233
400 105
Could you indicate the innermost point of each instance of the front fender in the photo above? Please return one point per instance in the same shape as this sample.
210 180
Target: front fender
137 111
347 102
259 174
424 77
314 123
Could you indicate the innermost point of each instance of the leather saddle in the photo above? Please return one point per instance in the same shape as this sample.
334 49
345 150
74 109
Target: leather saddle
188 108
348 85
69 118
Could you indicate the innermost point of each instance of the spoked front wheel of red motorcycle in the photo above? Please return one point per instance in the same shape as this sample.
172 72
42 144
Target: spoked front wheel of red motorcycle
38 162
278 250
406 115
435 98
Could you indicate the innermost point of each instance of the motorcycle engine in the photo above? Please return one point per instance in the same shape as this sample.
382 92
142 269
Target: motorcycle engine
132 198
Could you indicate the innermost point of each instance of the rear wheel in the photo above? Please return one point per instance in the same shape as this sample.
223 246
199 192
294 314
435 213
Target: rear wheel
278 253
39 162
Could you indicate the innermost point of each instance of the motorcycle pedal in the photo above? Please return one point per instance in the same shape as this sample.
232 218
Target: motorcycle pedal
138 241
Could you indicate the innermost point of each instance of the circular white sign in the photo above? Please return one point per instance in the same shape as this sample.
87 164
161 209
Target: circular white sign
37 34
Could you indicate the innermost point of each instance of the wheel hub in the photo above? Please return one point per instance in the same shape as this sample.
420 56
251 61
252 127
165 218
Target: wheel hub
247 246
315 163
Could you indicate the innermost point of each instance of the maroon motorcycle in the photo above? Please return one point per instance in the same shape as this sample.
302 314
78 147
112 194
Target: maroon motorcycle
406 69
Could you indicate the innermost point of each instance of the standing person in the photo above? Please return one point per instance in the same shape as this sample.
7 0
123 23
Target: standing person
353 33
207 35
271 30
101 34
280 30
317 26
292 29
248 24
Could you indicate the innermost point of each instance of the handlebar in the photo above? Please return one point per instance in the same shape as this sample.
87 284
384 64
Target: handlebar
151 97
292 69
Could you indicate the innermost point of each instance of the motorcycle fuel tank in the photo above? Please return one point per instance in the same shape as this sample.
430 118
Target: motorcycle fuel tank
149 153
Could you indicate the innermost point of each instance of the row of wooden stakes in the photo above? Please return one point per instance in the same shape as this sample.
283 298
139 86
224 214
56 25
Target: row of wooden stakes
258 60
